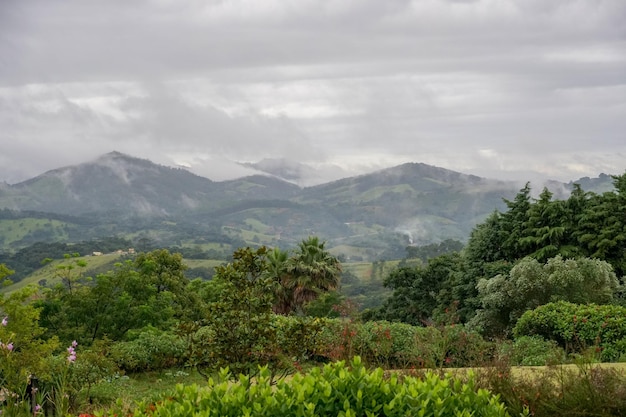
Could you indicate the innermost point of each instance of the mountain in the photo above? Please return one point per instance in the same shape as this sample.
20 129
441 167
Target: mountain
112 183
423 202
364 217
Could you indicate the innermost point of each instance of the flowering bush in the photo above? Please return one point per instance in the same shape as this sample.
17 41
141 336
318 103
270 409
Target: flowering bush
22 353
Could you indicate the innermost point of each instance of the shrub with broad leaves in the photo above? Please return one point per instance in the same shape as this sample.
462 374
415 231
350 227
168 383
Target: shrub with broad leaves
334 390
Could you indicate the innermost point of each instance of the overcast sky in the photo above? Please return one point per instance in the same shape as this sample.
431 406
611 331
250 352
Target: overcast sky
498 88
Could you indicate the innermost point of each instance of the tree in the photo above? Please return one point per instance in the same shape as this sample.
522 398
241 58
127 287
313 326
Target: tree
277 269
150 291
309 272
165 272
237 331
512 224
544 230
485 245
420 291
602 230
5 272
531 284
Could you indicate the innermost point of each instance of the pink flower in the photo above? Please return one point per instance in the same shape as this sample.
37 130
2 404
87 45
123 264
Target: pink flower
5 320
71 357
9 347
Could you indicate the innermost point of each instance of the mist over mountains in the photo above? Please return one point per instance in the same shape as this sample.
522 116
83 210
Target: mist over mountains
366 215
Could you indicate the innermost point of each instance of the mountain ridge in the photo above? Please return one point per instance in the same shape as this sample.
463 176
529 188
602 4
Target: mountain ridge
379 212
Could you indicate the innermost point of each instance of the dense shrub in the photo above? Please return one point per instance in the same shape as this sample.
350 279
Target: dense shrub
380 343
152 349
532 351
334 390
577 327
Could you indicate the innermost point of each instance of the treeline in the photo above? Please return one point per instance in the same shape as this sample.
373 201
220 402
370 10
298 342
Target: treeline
537 251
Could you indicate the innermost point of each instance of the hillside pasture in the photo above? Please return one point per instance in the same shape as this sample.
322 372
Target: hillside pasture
15 231
50 271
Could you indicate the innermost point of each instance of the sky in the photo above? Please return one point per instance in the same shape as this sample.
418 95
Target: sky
509 89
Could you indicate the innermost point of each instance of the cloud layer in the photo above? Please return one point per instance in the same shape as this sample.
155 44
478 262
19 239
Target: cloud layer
501 88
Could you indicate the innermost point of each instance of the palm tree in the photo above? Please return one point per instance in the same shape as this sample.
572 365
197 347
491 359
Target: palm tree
311 271
277 270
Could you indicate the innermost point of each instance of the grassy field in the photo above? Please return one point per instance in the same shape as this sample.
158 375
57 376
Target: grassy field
206 263
50 272
14 230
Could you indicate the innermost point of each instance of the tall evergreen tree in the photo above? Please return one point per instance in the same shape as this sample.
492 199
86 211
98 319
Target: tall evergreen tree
513 222
602 229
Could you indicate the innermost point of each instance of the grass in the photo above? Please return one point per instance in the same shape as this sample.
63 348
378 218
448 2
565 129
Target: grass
207 263
14 230
49 272
129 389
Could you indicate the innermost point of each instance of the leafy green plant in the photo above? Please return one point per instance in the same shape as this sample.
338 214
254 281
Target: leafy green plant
237 331
577 327
334 390
151 349
532 351
22 352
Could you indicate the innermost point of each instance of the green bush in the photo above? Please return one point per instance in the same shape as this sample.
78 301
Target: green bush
22 352
151 350
380 343
577 327
334 390
532 351
300 337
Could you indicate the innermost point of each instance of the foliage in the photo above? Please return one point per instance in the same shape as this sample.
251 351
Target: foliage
577 327
532 351
22 352
335 390
326 305
151 291
585 224
4 273
309 272
433 250
164 272
237 330
389 345
300 338
531 284
151 349
422 294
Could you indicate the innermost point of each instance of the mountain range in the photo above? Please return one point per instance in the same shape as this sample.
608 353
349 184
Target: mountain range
366 216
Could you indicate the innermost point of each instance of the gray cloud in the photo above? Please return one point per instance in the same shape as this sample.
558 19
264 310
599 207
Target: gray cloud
497 87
